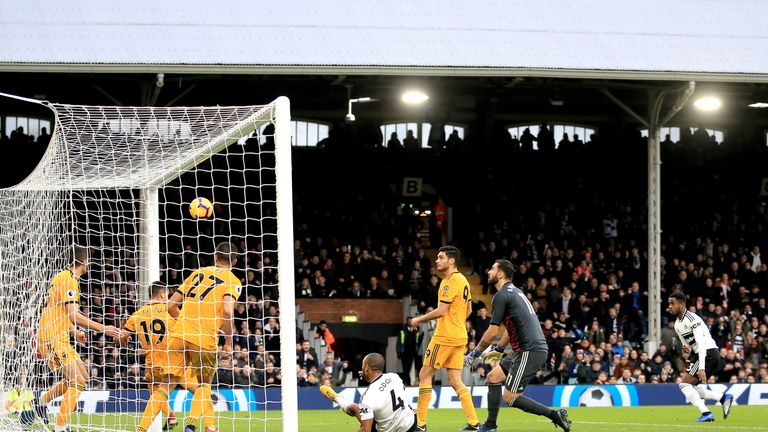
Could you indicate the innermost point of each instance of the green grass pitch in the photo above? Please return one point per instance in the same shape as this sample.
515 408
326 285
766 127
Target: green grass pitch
640 419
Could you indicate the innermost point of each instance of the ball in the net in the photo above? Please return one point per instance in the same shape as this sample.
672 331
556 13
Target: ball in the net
200 208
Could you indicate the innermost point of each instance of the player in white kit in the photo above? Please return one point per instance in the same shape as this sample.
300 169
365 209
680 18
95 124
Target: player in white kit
382 407
695 336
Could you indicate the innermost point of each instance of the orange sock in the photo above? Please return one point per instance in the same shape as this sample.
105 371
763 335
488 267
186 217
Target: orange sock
69 404
208 414
467 405
57 390
156 402
166 409
196 408
425 395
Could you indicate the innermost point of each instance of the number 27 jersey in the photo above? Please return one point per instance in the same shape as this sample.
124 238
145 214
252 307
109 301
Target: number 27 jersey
200 317
384 402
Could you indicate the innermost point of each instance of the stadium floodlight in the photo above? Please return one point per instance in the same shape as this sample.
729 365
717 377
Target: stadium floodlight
708 103
414 97
758 105
349 118
118 180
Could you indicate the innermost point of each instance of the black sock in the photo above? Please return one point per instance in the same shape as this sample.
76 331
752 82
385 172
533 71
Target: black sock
722 399
494 402
531 406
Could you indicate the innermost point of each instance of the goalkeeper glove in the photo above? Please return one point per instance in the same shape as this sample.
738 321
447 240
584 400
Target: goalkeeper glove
470 358
493 356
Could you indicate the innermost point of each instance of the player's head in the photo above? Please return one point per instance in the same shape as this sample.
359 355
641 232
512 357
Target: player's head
501 270
226 254
158 291
373 366
79 260
447 257
676 303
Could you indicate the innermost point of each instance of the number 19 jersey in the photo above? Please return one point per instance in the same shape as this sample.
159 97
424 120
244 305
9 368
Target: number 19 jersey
151 324
200 317
384 402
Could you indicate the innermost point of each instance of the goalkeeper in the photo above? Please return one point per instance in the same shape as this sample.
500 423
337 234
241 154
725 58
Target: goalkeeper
522 330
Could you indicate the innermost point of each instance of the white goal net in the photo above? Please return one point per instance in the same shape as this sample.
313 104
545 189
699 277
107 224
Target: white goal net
119 181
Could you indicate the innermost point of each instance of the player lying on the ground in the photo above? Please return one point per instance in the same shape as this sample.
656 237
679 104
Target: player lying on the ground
523 333
382 407
694 334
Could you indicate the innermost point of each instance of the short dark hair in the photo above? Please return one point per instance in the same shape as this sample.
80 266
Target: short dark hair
226 253
451 252
506 267
678 296
156 288
375 361
79 255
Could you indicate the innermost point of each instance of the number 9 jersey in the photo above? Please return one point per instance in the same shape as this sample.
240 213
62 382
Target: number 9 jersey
451 328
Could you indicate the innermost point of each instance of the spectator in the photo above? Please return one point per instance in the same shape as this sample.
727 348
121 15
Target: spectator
306 357
408 344
325 336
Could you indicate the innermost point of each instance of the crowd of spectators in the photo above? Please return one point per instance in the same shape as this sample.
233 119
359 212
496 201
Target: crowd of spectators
579 254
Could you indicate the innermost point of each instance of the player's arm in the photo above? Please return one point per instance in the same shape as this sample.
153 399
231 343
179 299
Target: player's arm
365 415
497 317
441 310
469 309
228 313
700 334
78 319
174 304
128 330
366 425
504 337
79 335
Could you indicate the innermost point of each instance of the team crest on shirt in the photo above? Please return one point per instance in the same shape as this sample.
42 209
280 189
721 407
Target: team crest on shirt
71 294
445 288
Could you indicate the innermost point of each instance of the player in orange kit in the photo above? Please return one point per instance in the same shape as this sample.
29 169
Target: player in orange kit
59 319
208 298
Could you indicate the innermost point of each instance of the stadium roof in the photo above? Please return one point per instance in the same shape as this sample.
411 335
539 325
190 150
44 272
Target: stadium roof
656 39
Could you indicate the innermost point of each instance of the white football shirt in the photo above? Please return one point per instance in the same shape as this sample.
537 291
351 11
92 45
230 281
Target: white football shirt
695 334
384 402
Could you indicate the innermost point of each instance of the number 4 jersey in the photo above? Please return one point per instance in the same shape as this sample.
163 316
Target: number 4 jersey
384 402
200 317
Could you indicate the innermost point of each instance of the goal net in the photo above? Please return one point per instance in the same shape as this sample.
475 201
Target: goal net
119 181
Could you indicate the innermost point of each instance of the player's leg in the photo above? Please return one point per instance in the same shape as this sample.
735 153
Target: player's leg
452 359
157 401
524 367
495 378
426 374
76 374
712 363
204 364
465 397
692 395
40 404
349 408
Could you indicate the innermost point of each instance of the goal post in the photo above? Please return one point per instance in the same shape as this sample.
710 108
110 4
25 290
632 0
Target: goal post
119 180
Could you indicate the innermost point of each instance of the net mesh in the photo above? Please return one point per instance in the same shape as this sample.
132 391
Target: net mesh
119 181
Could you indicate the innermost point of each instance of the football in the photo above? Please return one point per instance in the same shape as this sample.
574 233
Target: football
201 208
